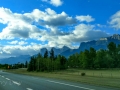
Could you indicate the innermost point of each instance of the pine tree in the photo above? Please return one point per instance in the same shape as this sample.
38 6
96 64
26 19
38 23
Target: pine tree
52 54
46 54
32 64
92 56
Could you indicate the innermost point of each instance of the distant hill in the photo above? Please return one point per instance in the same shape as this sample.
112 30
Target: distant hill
15 60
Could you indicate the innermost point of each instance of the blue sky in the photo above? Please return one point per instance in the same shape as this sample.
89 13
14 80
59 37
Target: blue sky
26 26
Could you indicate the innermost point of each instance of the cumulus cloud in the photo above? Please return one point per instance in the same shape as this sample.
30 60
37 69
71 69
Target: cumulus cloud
54 2
18 42
84 32
58 19
18 25
20 50
87 18
13 42
115 20
22 43
23 25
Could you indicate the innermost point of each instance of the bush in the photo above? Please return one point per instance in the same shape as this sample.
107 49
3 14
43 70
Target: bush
82 74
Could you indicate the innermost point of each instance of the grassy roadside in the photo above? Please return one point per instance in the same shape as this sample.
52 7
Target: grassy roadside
109 78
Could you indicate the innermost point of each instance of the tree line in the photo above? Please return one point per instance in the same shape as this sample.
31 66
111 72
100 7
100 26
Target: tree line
92 59
14 66
48 62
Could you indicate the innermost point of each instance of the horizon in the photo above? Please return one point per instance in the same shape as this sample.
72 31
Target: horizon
26 27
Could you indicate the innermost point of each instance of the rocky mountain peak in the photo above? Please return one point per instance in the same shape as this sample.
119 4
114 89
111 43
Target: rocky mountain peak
116 36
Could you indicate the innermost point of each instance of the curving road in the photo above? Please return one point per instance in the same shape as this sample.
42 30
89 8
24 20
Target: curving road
10 81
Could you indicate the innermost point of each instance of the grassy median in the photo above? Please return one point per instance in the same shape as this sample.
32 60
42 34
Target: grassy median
109 78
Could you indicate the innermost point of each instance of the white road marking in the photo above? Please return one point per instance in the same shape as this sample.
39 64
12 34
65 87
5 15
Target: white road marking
70 85
29 89
7 78
16 83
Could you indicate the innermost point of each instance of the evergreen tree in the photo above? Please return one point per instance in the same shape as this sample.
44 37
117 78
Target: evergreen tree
118 56
39 61
100 60
52 59
52 54
111 47
92 56
80 59
32 64
85 59
112 52
63 63
46 54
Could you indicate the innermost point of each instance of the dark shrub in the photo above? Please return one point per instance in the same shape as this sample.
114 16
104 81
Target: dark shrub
82 74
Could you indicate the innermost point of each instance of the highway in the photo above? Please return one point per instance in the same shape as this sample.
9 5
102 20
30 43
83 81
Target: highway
10 81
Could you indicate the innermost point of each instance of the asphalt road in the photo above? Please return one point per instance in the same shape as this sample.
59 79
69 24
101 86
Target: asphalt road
10 81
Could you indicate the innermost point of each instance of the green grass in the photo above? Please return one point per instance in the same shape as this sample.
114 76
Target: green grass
109 78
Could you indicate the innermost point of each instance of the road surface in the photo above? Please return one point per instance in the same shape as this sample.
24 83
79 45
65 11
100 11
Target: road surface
10 81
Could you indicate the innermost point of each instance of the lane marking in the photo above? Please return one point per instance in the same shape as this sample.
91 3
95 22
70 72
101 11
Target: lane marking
16 83
29 89
70 85
7 78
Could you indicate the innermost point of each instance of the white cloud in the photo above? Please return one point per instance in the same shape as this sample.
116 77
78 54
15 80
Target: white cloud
54 2
81 33
101 26
13 42
22 43
87 18
115 20
18 42
81 29
20 50
50 12
18 25
22 25
53 19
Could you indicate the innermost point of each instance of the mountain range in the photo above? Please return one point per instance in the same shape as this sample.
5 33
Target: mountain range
15 60
66 51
